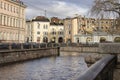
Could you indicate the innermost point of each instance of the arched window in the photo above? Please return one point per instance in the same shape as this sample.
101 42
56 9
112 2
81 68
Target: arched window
60 40
117 39
88 39
45 39
102 39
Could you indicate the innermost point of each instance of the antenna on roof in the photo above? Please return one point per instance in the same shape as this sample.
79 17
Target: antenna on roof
45 13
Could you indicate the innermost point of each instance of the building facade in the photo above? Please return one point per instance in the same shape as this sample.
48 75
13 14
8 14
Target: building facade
12 21
42 30
37 30
86 26
68 30
56 33
95 37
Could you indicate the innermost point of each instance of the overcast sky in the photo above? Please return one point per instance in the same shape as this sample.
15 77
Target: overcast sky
57 8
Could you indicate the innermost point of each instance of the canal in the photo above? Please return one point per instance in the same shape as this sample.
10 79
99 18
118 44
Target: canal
50 68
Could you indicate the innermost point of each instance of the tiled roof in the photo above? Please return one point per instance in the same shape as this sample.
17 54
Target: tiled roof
56 24
41 18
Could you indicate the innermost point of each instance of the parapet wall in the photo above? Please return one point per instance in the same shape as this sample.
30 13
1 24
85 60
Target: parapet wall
22 55
114 49
81 49
110 48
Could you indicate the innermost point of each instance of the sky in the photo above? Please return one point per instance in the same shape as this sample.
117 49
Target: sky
57 8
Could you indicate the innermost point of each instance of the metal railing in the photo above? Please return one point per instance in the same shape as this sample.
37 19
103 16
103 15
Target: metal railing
101 70
9 46
15 46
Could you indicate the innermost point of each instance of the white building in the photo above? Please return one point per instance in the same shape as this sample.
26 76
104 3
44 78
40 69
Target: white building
96 37
37 30
40 30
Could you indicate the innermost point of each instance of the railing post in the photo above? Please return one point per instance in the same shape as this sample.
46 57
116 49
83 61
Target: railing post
31 46
52 45
39 46
21 46
46 45
10 46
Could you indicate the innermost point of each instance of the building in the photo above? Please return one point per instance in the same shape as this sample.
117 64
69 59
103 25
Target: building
56 32
42 30
77 25
68 30
95 37
12 21
86 26
37 30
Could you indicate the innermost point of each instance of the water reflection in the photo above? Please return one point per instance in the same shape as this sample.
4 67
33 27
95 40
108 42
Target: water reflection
52 68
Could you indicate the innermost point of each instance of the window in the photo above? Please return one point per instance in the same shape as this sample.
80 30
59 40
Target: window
44 27
38 25
0 18
4 6
4 20
69 26
45 33
11 8
69 32
38 32
10 21
14 22
7 21
38 39
17 10
1 4
14 9
101 27
8 7
61 33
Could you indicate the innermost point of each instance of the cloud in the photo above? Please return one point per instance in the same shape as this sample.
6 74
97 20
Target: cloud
58 8
64 9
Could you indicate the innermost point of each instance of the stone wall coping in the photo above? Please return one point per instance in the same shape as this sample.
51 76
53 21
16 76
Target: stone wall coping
111 48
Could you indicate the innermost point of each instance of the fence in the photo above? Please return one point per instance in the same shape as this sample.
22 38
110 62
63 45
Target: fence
12 46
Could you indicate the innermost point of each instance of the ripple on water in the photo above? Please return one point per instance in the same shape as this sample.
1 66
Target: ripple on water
52 68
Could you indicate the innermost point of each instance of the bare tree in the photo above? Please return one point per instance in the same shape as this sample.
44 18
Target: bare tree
107 8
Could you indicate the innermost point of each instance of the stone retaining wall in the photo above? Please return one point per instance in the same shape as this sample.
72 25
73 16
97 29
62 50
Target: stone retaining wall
21 55
80 49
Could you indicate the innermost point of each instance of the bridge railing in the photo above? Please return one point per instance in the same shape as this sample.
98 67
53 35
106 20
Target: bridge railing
10 46
14 46
101 70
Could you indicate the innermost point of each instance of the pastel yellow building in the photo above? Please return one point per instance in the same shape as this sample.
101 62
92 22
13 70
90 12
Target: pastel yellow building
12 21
68 30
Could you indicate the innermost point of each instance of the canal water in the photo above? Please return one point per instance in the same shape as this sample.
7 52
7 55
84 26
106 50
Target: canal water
50 68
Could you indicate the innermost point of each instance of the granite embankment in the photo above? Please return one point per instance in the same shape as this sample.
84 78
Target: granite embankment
10 56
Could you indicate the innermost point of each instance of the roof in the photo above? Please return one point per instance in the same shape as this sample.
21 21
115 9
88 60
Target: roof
56 24
18 2
41 18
